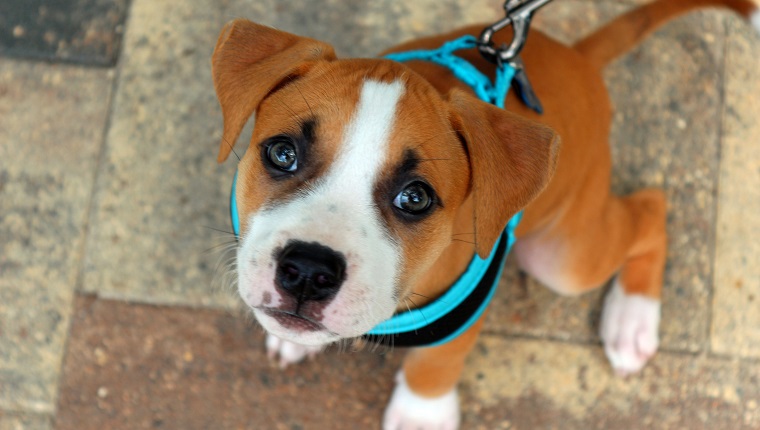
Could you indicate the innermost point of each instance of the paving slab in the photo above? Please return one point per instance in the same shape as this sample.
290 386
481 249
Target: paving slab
134 366
25 421
161 197
538 384
666 133
81 31
736 300
49 152
362 29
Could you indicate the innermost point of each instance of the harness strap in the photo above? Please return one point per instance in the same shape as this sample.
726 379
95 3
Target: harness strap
493 93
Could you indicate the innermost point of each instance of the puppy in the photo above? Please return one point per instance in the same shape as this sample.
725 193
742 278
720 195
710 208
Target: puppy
361 173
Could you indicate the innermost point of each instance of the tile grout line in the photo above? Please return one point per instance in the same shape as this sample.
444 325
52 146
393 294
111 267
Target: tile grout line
593 344
83 247
716 203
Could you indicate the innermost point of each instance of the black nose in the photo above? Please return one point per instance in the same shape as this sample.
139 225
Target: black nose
309 271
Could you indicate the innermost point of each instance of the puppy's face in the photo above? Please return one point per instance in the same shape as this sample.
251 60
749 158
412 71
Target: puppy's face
347 194
354 176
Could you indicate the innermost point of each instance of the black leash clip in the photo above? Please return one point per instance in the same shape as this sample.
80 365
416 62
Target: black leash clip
518 14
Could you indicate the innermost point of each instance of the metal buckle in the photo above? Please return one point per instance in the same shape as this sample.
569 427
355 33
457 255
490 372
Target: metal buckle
518 14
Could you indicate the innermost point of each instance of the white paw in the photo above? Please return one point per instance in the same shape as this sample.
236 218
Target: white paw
286 353
755 19
408 411
629 329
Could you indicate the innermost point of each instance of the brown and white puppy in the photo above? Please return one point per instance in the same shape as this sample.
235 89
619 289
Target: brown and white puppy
361 174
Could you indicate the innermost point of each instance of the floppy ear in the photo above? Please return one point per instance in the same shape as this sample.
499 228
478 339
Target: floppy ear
511 161
249 61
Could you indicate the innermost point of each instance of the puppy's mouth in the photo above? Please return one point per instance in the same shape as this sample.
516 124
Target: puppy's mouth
293 321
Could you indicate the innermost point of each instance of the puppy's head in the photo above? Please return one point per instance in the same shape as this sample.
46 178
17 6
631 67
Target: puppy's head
354 176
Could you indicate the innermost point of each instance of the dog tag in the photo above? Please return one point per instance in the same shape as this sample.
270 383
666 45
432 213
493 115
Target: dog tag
523 87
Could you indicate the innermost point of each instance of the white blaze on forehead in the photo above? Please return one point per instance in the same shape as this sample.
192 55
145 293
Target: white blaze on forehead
365 142
754 18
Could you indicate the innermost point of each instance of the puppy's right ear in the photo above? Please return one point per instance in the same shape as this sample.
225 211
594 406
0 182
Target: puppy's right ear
512 160
249 61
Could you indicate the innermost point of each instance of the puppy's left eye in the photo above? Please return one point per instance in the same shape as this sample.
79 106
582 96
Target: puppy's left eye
282 154
416 198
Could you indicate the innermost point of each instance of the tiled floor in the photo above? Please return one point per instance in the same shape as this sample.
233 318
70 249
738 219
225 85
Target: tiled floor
109 196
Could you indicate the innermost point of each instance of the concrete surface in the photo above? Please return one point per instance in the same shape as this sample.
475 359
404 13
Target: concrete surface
736 300
79 31
51 132
113 307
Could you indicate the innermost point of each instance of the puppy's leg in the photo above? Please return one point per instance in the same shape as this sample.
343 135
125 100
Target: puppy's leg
286 353
425 396
624 236
631 313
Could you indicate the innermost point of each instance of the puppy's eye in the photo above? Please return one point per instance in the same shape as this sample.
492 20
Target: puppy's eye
415 198
281 153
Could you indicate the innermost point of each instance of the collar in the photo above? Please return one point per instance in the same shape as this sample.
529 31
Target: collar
463 303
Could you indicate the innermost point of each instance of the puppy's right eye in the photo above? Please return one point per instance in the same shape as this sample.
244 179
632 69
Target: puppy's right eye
281 153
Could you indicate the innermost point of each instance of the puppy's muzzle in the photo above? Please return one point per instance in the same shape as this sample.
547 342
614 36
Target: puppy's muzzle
309 271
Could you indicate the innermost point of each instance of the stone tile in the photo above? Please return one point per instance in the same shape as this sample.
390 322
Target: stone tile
736 300
15 421
362 29
137 366
82 31
537 384
160 192
51 127
666 133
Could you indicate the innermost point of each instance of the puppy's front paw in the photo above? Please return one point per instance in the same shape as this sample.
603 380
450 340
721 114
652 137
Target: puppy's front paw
286 353
408 411
629 329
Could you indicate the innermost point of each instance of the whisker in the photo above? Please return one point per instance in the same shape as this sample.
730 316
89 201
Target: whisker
218 229
295 82
206 251
453 239
462 234
231 147
428 297
419 310
434 159
290 109
437 136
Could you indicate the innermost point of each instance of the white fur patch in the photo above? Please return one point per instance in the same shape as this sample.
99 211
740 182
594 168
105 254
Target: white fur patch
629 329
754 18
340 213
408 411
287 353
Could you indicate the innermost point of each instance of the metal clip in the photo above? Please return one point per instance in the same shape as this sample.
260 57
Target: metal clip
518 14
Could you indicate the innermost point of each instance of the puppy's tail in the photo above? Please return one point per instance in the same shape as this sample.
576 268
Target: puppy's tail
625 32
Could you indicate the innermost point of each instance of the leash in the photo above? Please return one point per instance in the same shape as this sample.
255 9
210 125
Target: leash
463 303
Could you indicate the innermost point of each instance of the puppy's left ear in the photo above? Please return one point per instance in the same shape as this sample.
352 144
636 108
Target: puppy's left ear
249 62
511 162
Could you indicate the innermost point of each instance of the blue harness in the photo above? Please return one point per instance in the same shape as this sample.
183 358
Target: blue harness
463 303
